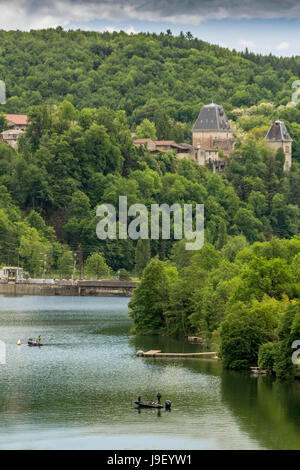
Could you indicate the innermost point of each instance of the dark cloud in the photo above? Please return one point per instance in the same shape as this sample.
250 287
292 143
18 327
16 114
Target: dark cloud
33 13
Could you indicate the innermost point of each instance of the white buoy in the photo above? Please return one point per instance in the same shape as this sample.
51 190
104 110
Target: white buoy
19 343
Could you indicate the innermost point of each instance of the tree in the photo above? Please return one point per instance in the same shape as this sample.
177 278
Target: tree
123 275
245 329
3 122
65 264
148 303
142 255
34 251
222 237
146 130
288 332
262 276
266 356
96 266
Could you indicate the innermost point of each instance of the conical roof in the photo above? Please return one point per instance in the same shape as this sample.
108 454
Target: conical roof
278 132
212 117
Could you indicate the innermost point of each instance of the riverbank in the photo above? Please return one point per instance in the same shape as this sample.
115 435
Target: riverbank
101 288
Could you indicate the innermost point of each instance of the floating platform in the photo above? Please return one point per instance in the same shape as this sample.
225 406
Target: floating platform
158 353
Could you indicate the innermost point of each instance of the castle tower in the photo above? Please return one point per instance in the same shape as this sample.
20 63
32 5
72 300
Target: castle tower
212 129
278 137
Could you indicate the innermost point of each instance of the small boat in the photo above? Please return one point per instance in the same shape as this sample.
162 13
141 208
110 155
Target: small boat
33 342
153 404
148 404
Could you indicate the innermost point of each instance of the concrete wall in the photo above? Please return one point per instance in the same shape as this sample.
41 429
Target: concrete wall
83 288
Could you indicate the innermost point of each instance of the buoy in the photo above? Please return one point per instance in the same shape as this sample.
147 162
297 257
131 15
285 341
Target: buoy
19 343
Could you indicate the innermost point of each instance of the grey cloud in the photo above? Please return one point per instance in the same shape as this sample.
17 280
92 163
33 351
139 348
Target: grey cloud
25 14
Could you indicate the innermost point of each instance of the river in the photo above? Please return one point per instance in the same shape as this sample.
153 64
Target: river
75 392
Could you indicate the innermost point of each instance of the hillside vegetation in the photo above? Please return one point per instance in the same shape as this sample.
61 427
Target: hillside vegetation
85 93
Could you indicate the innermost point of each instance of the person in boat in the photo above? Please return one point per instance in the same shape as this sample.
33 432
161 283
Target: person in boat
158 396
39 339
139 398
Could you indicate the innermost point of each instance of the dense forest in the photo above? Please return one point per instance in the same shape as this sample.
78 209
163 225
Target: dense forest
85 93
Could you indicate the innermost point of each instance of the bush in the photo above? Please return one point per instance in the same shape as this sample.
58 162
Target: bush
123 275
266 356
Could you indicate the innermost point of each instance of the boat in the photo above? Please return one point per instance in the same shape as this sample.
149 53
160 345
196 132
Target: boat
33 342
148 404
153 404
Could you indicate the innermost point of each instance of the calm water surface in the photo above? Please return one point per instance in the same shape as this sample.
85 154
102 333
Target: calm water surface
76 391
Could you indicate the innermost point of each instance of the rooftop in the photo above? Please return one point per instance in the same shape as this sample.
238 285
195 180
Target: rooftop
278 132
212 117
19 119
142 141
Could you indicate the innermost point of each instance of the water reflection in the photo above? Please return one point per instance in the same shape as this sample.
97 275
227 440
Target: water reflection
81 384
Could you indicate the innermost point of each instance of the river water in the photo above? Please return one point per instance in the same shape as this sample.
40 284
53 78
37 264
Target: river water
75 392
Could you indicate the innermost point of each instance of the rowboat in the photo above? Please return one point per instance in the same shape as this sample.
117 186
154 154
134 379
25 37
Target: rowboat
148 404
33 342
153 404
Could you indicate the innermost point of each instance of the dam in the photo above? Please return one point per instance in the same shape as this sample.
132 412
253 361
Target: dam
101 288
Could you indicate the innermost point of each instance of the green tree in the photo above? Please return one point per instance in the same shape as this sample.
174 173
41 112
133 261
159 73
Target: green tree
66 264
142 255
149 301
96 266
146 130
245 329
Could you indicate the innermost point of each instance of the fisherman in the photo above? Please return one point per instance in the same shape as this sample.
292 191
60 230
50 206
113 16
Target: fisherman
39 339
139 398
158 396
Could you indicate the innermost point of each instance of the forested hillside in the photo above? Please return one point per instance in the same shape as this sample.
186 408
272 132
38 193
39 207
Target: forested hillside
85 93
140 74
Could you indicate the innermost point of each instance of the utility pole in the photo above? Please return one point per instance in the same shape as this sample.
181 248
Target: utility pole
44 263
74 269
80 259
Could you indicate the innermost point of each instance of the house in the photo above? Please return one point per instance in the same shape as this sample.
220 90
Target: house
10 137
147 143
17 124
17 121
278 137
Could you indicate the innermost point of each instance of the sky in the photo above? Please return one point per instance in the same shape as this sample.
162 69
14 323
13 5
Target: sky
263 26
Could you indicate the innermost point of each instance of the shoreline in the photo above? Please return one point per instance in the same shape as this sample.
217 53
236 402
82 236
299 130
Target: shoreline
102 288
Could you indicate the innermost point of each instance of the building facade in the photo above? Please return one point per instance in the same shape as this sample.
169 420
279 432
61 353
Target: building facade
278 137
212 129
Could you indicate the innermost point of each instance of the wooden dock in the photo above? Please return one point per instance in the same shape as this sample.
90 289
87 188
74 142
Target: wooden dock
158 353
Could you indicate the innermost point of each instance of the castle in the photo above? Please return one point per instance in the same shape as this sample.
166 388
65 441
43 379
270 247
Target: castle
278 137
211 134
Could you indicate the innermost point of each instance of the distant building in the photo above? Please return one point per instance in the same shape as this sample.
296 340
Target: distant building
211 133
149 144
17 121
278 137
212 129
11 274
10 137
17 124
203 156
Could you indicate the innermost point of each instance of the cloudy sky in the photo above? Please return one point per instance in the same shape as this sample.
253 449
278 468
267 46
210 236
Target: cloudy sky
261 25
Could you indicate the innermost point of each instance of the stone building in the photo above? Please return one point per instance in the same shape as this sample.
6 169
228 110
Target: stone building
17 121
212 129
17 124
278 137
10 137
